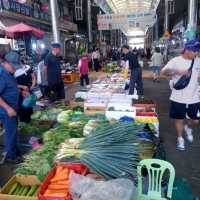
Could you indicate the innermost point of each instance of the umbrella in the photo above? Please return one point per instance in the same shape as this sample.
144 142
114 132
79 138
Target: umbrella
21 29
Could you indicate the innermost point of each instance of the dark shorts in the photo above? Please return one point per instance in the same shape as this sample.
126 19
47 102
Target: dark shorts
184 111
156 69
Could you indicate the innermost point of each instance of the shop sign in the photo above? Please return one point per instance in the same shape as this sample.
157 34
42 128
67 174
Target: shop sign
14 6
140 20
66 25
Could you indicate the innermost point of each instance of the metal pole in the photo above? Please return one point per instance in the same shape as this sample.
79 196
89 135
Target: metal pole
54 19
166 16
100 31
192 13
89 21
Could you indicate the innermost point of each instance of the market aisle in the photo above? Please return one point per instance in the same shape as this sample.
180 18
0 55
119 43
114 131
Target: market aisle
186 163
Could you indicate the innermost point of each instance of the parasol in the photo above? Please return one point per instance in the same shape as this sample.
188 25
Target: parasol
20 29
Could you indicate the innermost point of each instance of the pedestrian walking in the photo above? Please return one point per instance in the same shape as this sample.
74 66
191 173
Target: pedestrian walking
157 62
96 59
84 70
185 101
53 73
136 72
9 96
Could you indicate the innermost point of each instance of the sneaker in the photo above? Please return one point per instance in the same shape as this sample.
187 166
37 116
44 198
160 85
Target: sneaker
180 144
188 134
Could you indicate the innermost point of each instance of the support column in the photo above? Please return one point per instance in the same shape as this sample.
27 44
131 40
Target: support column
166 17
100 31
89 21
192 13
54 20
192 16
156 30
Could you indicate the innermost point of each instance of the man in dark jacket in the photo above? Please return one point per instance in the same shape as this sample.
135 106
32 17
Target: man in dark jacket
136 72
53 73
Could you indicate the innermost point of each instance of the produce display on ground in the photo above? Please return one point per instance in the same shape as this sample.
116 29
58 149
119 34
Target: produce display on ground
107 145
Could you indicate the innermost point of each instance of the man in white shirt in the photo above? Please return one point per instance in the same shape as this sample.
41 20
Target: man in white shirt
185 103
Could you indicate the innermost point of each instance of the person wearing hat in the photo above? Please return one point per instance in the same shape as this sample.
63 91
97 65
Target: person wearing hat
9 104
53 73
136 72
185 101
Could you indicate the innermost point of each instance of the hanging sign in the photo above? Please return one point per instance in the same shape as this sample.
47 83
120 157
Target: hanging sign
140 20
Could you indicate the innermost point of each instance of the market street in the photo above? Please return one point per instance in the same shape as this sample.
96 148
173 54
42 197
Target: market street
186 163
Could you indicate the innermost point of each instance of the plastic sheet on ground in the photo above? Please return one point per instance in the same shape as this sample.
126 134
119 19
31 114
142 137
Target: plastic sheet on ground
87 188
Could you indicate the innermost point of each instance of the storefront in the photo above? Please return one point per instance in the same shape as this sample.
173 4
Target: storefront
12 12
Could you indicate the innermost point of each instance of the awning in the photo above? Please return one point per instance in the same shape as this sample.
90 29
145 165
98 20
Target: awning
19 30
131 6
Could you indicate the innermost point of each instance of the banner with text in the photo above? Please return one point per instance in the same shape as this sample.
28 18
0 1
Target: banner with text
140 20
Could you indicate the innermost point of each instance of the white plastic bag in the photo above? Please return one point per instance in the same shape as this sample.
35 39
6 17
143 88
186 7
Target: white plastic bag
89 189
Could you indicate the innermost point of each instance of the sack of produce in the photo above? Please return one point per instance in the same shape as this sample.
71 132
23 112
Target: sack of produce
87 188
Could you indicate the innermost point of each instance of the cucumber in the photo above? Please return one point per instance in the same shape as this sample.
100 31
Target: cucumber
36 192
20 191
25 191
13 189
17 190
32 190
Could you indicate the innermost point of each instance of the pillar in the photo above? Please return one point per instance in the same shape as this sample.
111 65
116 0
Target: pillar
89 21
54 20
166 16
192 13
192 16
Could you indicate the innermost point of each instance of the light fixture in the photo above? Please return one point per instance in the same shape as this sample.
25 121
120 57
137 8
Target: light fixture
34 46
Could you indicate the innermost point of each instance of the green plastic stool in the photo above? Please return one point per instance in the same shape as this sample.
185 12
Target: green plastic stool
156 169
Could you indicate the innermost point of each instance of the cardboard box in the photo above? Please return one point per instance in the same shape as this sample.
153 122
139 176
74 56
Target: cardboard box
23 180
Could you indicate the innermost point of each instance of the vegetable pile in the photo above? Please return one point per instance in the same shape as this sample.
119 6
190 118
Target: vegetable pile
39 162
111 151
47 114
32 128
21 190
59 184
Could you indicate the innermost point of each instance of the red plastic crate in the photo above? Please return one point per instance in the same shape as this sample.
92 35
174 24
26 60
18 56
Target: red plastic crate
146 114
76 167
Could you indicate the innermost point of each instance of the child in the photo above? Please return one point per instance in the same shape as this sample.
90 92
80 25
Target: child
84 70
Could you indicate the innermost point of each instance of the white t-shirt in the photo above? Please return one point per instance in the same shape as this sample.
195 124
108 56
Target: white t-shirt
190 94
157 59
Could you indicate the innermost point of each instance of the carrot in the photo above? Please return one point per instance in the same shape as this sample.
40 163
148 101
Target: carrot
65 182
48 191
55 195
58 187
58 170
64 175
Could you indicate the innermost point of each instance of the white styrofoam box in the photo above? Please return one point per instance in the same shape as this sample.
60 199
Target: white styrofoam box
120 100
93 105
99 95
82 95
121 107
119 114
118 95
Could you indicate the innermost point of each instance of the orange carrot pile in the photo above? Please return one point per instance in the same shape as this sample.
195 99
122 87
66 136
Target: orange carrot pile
59 184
